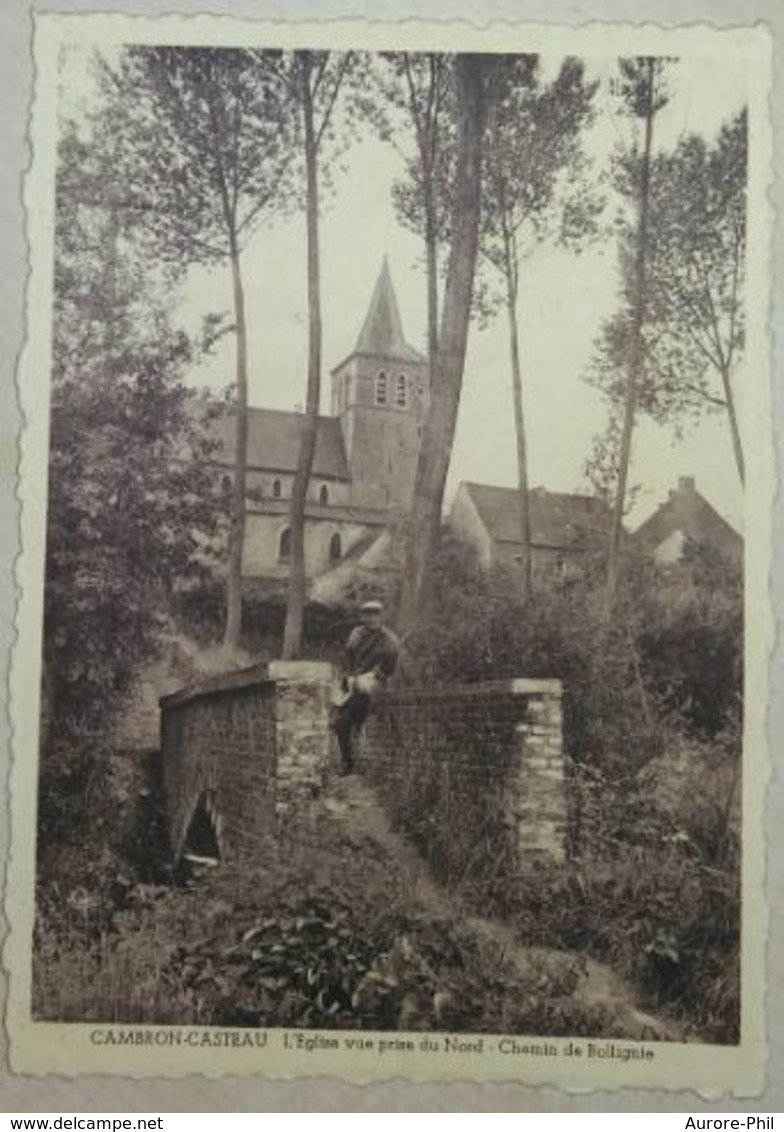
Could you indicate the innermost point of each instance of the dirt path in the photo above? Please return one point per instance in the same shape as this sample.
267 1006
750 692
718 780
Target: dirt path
355 805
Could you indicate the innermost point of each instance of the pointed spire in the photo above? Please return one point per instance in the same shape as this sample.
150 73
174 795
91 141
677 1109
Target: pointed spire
382 330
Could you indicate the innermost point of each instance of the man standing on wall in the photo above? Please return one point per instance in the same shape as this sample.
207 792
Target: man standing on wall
371 658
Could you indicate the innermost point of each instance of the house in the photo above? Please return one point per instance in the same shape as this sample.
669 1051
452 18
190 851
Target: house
365 459
686 518
564 528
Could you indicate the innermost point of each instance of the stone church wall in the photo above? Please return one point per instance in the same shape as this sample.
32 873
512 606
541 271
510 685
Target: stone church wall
262 543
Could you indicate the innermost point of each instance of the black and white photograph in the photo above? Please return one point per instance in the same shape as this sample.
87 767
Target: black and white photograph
402 469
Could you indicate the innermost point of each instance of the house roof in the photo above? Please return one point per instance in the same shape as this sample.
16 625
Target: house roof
382 331
688 512
274 441
565 522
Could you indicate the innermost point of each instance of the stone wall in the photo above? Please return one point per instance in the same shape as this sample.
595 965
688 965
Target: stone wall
249 746
473 773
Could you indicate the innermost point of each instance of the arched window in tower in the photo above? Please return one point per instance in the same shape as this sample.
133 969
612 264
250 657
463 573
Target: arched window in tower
401 391
323 495
284 546
335 548
276 489
381 388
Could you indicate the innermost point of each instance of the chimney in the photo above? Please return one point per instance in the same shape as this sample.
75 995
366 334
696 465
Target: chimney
686 483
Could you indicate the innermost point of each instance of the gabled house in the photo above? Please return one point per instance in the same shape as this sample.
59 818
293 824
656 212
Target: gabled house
564 528
686 518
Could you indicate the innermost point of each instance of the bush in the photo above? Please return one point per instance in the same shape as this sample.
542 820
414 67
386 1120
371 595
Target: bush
652 731
326 933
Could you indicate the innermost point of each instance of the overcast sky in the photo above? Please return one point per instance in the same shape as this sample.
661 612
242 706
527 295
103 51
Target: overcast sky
564 298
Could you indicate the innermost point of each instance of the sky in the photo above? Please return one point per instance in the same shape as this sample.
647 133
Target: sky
564 299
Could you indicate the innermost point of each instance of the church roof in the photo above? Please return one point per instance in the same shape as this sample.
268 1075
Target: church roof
382 330
274 440
557 520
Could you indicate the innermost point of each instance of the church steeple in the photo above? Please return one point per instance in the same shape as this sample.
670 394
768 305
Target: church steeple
382 330
380 392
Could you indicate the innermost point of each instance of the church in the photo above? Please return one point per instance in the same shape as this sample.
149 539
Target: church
362 478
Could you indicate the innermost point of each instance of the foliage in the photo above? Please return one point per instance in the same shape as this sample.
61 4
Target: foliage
129 502
535 185
653 884
197 614
326 933
417 98
617 697
691 642
693 332
642 92
653 733
206 147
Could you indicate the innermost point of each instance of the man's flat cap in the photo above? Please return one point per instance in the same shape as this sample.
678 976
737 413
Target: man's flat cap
371 607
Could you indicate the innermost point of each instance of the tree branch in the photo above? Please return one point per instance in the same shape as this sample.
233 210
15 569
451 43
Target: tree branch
344 65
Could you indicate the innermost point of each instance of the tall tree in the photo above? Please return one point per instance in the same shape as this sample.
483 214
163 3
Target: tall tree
697 273
208 147
694 326
315 81
446 376
130 505
641 90
419 89
534 189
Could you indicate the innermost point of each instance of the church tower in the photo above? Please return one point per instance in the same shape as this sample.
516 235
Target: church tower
380 393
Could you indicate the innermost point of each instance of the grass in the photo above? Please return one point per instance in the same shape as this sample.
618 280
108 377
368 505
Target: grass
330 933
653 888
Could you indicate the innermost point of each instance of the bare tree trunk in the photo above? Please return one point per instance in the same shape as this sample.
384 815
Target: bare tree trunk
295 608
737 446
431 253
523 501
447 374
635 349
231 637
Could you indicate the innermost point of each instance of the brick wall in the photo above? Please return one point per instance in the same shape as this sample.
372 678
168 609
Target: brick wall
250 746
473 773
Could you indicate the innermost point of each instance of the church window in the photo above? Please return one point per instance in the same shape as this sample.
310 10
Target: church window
276 489
381 388
226 485
323 494
335 548
284 546
401 392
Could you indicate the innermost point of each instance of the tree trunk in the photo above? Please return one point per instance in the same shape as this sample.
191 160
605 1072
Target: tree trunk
231 637
295 608
447 374
523 501
737 446
431 254
635 350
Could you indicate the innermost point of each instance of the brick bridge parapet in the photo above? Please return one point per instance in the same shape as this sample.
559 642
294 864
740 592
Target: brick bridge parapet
473 772
469 771
249 746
